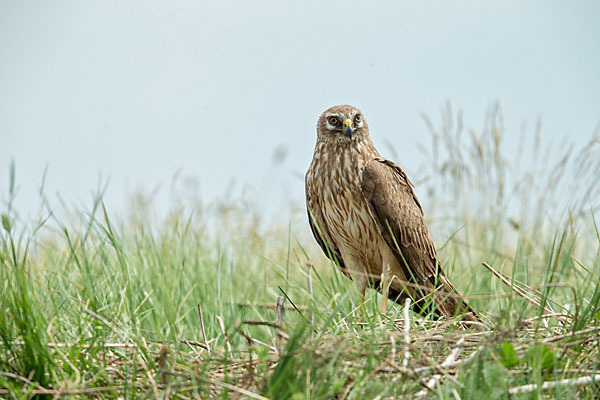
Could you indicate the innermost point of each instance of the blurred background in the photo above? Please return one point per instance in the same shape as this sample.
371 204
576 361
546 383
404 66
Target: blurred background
220 99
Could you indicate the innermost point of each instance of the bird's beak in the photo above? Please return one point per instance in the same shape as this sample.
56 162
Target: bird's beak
348 127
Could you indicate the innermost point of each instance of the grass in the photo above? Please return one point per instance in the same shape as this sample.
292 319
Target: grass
93 304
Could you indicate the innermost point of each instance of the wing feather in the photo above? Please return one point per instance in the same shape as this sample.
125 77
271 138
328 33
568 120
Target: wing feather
399 215
397 210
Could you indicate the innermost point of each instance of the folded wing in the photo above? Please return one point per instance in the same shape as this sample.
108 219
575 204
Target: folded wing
398 213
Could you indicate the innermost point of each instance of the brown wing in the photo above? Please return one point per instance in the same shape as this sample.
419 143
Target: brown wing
399 215
320 231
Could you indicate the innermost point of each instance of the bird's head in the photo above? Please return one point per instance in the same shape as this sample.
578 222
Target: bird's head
343 124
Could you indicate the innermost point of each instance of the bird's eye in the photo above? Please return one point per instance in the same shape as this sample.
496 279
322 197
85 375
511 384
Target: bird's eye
333 121
357 119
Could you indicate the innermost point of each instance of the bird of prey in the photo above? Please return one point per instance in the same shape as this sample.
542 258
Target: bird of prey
366 217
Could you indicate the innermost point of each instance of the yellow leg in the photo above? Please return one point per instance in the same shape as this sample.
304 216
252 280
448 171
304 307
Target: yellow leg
385 286
361 282
384 303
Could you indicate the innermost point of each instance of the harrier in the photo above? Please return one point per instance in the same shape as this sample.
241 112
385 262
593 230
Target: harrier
366 217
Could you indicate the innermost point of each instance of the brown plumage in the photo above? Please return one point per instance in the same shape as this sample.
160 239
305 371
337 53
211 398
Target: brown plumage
365 216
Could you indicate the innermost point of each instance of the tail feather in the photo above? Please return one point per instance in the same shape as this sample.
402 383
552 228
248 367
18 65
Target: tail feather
441 301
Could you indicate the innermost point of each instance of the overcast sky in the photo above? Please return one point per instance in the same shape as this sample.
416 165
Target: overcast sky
131 92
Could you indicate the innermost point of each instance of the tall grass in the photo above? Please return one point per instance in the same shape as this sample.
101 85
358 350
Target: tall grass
94 304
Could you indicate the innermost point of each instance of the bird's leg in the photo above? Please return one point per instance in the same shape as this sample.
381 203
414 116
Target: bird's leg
386 278
358 273
362 283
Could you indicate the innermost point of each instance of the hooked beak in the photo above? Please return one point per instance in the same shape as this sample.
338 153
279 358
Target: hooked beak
348 128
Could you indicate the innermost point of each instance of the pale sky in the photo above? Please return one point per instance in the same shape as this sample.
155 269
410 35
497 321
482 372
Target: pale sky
131 92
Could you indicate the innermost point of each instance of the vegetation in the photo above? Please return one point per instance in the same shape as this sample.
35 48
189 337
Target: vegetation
93 304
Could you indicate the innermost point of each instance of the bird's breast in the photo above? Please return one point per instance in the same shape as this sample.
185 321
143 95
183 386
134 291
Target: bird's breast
344 206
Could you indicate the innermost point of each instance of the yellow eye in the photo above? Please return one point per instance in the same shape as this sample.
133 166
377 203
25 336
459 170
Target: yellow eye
357 119
334 121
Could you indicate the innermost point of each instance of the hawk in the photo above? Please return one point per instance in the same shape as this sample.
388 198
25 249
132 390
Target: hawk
365 215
